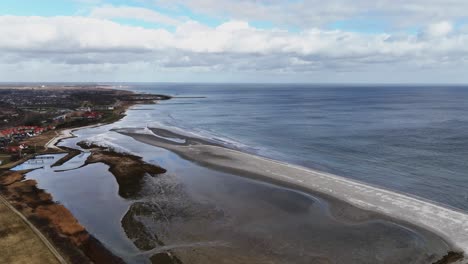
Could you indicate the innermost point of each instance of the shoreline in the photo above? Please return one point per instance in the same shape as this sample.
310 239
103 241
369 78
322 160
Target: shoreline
40 210
64 134
54 221
448 224
220 158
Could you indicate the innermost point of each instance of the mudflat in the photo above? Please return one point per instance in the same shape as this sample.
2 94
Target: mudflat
451 225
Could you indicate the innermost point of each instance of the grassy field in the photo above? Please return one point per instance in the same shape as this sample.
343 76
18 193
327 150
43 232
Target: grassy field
42 139
18 243
4 159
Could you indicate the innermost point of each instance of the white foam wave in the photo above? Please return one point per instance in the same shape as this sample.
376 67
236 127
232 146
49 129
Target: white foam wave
205 135
106 140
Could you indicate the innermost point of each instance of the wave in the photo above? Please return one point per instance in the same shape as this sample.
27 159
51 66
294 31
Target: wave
202 134
447 222
205 136
106 140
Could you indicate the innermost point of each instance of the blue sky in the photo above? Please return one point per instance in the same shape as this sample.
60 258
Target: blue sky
74 8
366 23
39 8
234 40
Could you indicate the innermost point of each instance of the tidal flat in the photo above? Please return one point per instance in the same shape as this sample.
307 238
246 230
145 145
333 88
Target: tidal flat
191 213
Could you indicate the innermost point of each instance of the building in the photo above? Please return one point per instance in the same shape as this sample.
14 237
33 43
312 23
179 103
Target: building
103 107
20 133
16 149
39 130
60 118
92 115
83 109
7 133
13 149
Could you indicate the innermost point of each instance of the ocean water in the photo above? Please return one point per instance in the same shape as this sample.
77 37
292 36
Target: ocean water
244 220
412 139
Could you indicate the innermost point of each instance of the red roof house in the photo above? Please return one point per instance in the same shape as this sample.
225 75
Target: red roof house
92 115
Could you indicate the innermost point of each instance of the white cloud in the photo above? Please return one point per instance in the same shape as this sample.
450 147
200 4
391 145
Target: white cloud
85 43
76 35
128 12
439 29
314 13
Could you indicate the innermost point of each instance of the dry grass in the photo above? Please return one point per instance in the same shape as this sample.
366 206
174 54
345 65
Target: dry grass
41 140
18 243
53 220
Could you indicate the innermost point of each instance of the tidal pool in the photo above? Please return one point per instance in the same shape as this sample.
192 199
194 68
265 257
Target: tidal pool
200 215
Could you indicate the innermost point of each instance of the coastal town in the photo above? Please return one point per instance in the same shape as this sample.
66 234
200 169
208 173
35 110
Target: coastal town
37 226
33 119
29 112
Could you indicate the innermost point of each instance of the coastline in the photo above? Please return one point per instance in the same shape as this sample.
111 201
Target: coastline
449 224
232 161
54 223
64 134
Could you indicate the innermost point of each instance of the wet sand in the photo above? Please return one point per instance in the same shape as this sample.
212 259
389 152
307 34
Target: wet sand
207 214
449 224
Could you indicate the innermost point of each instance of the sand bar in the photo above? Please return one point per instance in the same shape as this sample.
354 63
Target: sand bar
450 224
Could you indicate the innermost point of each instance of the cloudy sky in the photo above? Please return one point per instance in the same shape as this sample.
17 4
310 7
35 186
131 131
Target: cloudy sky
337 41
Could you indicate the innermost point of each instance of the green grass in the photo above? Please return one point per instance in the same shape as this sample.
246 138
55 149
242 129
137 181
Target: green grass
4 159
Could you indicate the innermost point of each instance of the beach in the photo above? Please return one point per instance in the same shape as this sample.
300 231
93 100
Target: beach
142 194
159 215
450 224
234 132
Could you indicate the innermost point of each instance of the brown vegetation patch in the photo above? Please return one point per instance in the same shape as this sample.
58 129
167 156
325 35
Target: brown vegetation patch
63 220
128 170
18 242
54 220
10 178
451 257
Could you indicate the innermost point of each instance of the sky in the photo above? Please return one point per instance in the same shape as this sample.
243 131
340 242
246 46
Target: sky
308 41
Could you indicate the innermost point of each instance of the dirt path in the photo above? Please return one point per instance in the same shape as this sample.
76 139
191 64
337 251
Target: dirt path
51 144
21 242
64 134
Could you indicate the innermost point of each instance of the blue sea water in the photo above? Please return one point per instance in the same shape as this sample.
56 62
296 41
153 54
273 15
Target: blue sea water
412 139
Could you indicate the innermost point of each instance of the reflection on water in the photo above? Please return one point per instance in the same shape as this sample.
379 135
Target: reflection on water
90 193
75 163
39 162
198 215
407 138
209 217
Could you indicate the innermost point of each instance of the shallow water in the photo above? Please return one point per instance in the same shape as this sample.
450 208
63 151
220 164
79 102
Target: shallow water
206 216
406 138
91 194
39 162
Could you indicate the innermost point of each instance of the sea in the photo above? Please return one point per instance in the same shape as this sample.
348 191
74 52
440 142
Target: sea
407 138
